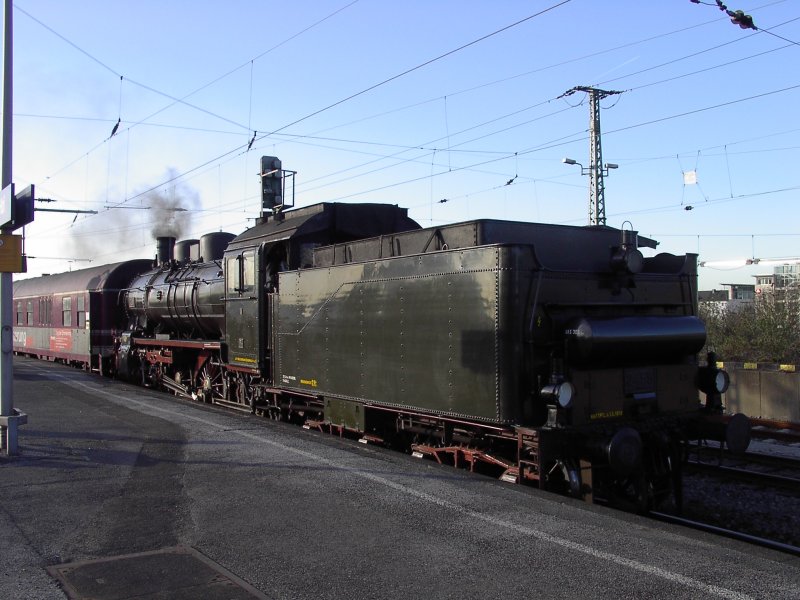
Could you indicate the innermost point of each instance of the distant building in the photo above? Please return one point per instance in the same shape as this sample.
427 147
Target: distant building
765 284
731 297
783 278
712 296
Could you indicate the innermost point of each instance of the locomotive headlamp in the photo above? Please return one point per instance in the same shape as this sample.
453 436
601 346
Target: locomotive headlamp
713 382
721 381
559 392
630 260
711 379
626 257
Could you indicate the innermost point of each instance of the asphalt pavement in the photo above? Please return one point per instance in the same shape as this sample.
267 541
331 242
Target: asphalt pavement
122 492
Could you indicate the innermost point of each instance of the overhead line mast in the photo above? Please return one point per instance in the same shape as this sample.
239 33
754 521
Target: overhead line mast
596 169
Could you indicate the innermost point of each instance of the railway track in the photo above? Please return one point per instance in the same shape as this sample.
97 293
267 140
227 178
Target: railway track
754 497
755 468
729 533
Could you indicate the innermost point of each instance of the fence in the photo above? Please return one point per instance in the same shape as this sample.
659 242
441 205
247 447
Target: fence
764 390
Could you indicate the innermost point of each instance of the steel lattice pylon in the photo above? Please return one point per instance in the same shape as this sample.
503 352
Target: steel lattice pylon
596 170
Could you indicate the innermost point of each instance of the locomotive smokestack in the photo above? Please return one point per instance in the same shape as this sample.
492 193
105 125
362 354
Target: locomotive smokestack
165 250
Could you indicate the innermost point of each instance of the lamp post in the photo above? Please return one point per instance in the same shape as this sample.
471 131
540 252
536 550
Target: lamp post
596 172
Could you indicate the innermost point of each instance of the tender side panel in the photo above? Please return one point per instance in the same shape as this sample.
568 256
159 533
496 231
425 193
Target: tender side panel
432 340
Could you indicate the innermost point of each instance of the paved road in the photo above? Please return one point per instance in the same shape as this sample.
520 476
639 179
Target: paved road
107 470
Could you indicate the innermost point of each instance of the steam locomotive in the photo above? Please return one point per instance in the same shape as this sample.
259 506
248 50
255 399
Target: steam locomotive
555 356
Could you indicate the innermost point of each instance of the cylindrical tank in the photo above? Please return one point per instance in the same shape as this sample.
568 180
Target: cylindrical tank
187 251
212 245
634 338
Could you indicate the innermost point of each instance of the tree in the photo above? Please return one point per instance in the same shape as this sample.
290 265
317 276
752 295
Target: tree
766 330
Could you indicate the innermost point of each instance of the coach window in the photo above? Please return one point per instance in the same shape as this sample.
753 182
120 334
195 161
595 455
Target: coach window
30 313
19 313
81 312
66 312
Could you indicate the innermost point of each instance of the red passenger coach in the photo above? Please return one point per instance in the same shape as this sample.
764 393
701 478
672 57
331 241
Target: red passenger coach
73 317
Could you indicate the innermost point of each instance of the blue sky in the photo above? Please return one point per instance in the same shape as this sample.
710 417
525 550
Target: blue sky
409 103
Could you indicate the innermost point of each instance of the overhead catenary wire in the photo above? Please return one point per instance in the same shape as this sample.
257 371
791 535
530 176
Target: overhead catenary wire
653 37
175 100
511 150
372 87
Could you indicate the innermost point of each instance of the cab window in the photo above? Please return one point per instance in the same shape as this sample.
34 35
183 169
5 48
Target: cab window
240 273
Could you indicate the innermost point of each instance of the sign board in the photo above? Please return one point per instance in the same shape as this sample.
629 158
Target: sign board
16 210
11 260
6 206
22 211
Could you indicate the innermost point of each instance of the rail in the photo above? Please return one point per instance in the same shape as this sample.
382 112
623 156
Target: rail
729 533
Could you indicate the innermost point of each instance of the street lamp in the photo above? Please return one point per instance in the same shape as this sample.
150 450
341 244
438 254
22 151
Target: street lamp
596 173
587 170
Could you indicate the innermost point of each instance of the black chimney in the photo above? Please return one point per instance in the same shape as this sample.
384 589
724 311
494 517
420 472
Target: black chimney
165 250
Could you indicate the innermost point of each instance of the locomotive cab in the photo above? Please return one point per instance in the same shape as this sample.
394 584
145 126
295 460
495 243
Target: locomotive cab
282 242
245 306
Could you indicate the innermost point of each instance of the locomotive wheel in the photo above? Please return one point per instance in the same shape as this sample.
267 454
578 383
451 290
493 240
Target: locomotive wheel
210 382
564 477
241 390
245 395
634 493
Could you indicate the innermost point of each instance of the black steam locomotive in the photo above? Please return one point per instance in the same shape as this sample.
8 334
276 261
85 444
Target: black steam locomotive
551 355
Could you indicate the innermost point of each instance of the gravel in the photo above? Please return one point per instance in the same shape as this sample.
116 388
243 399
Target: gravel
751 509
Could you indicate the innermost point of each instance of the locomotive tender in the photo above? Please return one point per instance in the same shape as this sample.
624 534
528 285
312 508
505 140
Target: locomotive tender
551 355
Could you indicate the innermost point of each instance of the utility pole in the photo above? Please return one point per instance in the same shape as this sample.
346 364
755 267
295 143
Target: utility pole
16 210
8 420
596 169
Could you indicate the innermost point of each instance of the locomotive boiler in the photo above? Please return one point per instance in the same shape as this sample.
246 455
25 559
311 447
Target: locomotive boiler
184 295
555 356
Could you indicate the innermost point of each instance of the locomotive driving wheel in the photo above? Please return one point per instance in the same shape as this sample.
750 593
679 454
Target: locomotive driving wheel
211 382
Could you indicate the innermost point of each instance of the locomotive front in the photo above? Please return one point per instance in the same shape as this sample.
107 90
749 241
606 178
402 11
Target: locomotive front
176 315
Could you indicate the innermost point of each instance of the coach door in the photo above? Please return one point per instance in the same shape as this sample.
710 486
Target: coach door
243 308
